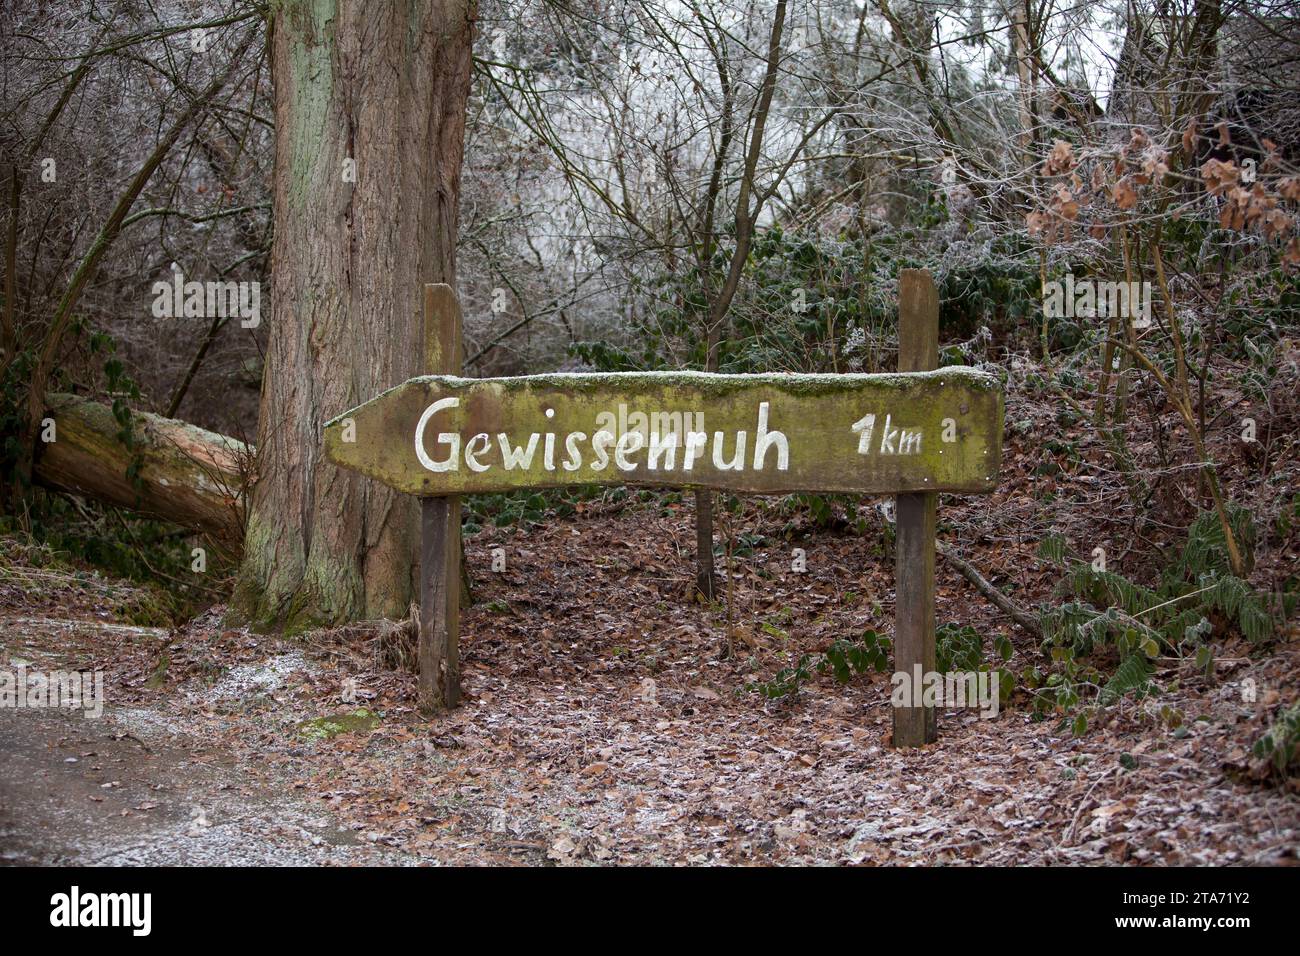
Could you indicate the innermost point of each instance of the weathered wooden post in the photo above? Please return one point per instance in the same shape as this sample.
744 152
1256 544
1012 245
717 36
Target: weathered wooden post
440 528
918 351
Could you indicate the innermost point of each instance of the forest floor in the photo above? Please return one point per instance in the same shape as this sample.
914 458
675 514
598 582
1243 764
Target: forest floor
603 722
600 725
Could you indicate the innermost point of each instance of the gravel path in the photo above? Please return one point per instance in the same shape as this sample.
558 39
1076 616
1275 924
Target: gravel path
126 790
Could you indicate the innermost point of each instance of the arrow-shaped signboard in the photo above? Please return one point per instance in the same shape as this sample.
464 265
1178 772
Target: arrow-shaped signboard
763 434
909 434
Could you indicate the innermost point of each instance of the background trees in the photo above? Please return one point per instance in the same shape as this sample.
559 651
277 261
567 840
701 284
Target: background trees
719 184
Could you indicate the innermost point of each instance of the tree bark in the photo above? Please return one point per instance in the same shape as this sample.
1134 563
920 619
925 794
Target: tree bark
370 118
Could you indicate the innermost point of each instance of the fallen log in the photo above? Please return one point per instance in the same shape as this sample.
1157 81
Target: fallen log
186 474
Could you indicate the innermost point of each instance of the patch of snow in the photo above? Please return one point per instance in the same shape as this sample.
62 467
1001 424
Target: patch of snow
248 680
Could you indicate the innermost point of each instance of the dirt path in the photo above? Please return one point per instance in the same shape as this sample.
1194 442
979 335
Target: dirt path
75 790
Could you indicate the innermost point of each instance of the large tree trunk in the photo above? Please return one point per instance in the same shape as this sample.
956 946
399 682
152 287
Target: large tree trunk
378 90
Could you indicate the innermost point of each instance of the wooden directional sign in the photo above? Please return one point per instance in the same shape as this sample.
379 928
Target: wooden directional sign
763 434
910 434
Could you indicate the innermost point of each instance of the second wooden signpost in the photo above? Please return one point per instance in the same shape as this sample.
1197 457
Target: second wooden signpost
912 434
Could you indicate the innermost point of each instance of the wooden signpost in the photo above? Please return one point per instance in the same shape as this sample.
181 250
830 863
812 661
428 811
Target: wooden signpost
914 517
911 434
440 528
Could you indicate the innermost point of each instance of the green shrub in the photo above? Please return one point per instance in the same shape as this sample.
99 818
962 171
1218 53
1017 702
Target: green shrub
1279 747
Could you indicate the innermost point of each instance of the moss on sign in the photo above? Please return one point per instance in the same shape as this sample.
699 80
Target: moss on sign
921 431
